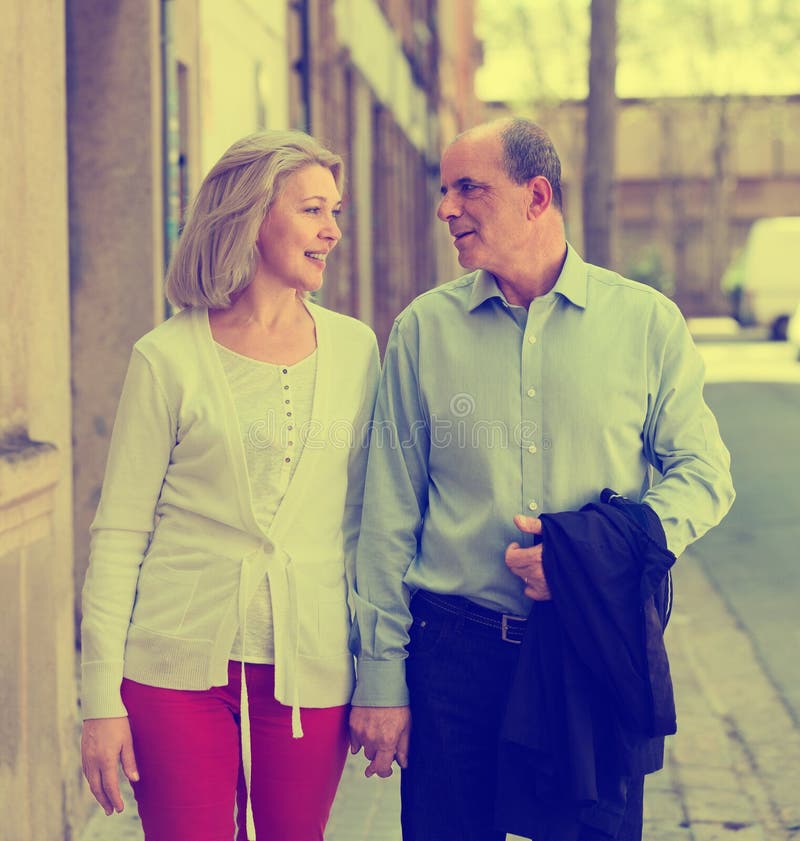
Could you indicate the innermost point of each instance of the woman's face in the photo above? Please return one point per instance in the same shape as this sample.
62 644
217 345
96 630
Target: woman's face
299 231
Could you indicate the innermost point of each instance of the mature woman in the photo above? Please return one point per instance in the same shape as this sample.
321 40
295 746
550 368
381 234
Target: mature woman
215 610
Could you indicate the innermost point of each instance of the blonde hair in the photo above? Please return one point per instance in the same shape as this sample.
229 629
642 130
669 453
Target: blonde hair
216 254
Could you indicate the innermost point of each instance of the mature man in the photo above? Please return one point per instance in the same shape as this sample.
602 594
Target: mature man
528 385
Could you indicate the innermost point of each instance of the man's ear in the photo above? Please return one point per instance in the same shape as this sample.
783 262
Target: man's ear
540 196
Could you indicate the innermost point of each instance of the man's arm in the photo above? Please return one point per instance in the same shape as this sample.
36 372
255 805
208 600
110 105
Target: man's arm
395 500
681 440
357 463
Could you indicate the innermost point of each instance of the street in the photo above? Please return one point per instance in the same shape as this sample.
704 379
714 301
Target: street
752 557
733 770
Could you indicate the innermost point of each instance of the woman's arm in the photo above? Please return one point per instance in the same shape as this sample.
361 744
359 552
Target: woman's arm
141 444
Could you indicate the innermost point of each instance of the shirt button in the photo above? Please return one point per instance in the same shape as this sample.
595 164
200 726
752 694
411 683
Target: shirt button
286 388
287 460
531 392
285 370
532 340
532 448
533 505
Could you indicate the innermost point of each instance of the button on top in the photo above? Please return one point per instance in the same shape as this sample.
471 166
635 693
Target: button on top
533 505
285 370
531 392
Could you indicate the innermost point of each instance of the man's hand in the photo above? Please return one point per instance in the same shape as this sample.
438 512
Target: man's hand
383 733
527 563
105 743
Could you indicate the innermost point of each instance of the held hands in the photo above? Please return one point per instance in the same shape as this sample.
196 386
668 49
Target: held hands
527 563
383 733
105 742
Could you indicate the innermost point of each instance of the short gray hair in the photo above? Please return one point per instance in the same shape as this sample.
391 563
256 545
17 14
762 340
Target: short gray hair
216 253
528 151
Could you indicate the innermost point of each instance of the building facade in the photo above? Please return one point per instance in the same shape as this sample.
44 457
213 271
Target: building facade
109 138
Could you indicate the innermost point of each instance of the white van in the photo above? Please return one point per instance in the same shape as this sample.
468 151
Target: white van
771 273
793 332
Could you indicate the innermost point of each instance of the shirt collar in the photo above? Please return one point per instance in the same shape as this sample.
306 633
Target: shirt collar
484 288
571 283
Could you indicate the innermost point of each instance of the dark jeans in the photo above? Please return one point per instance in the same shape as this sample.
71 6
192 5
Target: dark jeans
458 674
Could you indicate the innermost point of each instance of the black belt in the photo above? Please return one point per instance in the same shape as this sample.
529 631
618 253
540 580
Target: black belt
511 628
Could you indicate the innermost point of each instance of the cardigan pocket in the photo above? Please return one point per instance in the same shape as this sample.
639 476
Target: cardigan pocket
163 597
333 628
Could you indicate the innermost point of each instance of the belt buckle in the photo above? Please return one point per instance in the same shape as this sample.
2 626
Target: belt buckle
504 628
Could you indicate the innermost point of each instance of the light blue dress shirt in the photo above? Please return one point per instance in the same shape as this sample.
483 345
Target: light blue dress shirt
488 410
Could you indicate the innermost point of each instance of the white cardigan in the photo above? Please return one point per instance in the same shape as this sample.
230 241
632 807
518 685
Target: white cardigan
176 550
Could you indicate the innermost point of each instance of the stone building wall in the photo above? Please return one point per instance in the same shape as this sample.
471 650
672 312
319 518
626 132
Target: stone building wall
39 760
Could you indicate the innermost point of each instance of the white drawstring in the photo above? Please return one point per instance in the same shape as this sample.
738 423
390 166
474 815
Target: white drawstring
294 613
247 762
290 675
244 710
297 725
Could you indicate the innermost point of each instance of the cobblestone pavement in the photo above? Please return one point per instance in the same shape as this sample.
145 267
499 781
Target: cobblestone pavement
732 772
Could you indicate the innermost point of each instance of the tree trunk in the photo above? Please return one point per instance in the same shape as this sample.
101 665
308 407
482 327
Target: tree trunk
598 179
722 187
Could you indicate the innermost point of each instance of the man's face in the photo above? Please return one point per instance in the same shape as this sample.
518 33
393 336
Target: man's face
487 213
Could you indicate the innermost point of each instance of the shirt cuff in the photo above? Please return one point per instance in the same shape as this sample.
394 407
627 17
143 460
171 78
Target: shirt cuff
381 683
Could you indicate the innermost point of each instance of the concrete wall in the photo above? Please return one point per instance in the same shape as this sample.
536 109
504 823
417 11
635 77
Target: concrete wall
40 796
116 220
244 72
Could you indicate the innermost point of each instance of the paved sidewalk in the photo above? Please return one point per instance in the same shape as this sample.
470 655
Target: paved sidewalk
732 772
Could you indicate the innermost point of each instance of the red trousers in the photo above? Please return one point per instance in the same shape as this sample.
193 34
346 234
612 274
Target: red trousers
188 753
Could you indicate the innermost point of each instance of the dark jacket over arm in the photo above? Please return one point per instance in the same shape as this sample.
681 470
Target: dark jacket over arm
592 696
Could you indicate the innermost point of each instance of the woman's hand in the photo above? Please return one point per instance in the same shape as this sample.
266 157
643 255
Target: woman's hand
105 742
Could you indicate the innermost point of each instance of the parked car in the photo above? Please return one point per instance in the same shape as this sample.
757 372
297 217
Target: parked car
793 331
770 274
